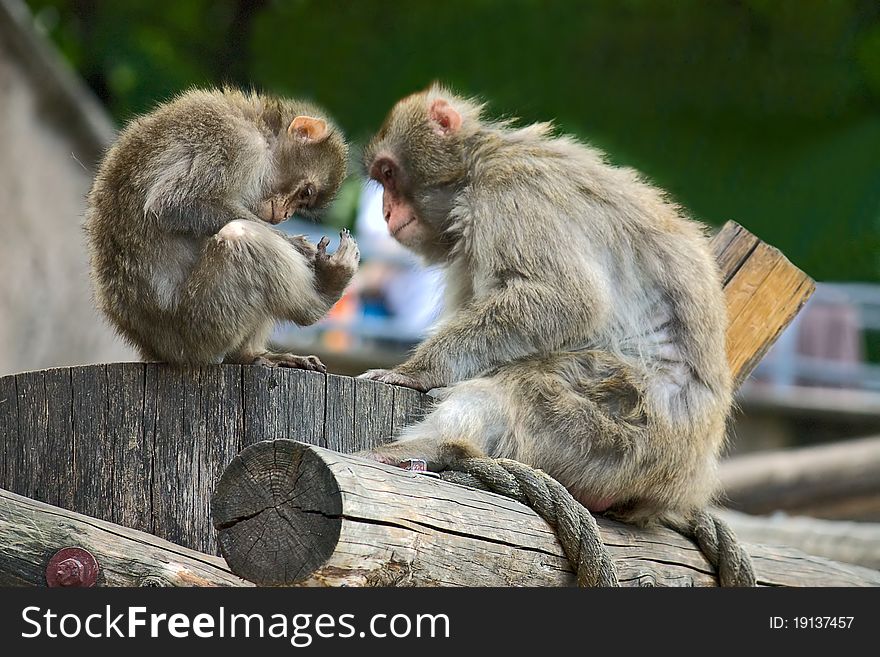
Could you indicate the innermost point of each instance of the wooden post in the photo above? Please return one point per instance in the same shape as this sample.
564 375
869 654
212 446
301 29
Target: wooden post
292 513
764 292
143 444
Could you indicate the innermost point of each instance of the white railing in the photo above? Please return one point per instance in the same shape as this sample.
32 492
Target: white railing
842 314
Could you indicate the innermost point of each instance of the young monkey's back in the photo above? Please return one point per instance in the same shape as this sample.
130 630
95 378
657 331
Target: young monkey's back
165 274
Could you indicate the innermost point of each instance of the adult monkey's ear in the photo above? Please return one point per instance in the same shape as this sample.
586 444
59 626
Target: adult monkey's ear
308 129
445 119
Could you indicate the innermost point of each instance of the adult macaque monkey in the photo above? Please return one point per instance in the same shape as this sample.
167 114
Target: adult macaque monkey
184 262
584 324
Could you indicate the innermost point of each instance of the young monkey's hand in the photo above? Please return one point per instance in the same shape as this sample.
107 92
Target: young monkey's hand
333 272
421 381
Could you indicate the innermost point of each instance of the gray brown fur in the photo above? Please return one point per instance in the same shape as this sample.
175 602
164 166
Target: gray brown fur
184 263
584 326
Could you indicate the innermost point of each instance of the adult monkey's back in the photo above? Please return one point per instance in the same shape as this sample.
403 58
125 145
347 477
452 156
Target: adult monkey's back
584 325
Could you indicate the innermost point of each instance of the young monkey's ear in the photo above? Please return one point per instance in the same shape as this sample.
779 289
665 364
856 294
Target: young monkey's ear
308 129
445 119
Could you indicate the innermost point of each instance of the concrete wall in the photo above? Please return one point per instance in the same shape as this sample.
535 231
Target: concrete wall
46 313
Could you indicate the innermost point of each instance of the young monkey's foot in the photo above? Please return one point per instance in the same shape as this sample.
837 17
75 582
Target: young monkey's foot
312 363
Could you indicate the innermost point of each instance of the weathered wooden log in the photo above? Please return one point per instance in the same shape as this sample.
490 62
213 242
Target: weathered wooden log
823 481
31 532
850 542
291 513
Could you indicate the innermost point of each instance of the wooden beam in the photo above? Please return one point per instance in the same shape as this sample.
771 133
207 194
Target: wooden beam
764 292
291 513
31 532
850 542
808 403
812 481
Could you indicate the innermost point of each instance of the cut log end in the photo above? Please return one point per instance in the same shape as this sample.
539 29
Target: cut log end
278 513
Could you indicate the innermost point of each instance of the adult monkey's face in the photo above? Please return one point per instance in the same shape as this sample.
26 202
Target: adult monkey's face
418 158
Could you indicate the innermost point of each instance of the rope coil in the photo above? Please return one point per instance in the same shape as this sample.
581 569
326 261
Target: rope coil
576 527
719 545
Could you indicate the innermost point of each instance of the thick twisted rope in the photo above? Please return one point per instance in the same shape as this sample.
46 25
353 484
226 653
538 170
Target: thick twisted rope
575 527
577 530
719 545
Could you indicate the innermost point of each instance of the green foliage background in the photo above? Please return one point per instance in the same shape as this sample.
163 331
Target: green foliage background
763 111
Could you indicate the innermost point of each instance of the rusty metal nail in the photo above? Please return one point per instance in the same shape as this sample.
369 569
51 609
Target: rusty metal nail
419 466
72 567
414 465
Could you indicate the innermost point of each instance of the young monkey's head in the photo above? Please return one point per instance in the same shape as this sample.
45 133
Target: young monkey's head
419 158
311 160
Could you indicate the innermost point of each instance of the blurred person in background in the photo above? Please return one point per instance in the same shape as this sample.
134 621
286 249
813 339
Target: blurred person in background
393 283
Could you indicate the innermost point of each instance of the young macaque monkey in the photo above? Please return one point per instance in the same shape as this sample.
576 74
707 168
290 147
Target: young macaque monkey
184 262
584 325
